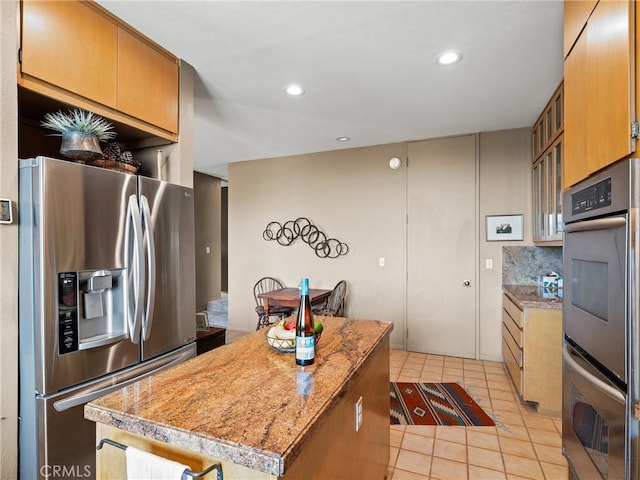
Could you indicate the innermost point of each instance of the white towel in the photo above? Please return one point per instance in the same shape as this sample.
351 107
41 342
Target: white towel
143 465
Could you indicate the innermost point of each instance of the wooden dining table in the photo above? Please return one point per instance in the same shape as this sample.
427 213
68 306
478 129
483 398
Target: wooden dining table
290 297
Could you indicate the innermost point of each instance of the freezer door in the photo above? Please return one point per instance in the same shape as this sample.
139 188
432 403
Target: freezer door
168 218
58 442
72 237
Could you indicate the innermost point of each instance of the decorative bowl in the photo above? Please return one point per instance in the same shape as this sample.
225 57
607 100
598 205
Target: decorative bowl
285 346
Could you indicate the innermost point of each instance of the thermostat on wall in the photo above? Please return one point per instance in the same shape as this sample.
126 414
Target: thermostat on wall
5 211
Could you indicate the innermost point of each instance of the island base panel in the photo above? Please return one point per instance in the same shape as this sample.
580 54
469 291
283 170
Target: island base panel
335 450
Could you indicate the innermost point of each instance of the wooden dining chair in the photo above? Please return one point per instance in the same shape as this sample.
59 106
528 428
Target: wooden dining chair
334 307
267 284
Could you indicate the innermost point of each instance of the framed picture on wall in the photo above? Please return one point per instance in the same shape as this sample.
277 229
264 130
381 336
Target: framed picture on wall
504 227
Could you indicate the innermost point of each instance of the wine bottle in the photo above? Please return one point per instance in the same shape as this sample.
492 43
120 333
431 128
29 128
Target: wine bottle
305 335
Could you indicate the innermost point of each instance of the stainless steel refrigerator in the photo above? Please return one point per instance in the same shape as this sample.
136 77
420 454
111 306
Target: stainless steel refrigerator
106 297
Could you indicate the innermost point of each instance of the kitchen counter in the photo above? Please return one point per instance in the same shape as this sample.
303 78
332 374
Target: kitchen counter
532 344
531 296
249 405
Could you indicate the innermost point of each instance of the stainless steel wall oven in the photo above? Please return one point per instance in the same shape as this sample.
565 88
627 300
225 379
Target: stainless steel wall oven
600 324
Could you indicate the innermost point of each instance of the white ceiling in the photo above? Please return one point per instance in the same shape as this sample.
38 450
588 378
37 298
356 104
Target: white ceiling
367 67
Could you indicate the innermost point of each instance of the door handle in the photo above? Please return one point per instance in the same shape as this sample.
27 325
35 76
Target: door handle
596 382
149 242
89 395
467 283
597 224
135 267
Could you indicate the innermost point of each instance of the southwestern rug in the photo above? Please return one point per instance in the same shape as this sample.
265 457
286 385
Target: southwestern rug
435 404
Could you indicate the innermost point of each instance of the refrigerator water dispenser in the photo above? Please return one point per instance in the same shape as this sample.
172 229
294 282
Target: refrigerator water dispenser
91 309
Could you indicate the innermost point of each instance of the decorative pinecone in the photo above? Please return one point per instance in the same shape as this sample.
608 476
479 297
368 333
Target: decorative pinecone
114 152
127 157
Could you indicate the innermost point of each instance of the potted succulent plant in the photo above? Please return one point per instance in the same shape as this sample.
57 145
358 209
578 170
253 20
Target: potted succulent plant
81 132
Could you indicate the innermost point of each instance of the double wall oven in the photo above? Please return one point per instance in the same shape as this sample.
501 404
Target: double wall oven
600 324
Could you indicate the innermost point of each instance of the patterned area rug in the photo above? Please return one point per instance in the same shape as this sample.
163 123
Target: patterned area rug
435 404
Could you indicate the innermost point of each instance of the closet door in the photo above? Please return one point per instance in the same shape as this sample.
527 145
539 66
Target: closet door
442 246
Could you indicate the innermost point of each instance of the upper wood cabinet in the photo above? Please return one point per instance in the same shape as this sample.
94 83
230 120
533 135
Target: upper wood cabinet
547 139
575 118
549 125
71 46
147 82
576 13
599 92
78 53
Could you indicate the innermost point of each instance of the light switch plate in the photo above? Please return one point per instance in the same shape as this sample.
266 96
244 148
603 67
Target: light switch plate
6 214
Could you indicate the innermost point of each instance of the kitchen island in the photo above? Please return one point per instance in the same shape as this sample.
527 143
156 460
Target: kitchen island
254 411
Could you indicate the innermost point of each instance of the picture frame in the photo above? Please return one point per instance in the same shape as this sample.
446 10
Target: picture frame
202 323
504 227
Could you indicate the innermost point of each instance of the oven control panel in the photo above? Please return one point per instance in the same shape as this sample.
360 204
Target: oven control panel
594 196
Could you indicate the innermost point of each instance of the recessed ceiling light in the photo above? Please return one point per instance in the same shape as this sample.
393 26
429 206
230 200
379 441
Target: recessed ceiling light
294 90
343 139
448 58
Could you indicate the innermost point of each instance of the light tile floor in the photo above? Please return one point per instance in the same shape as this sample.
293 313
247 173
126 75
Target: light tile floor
523 445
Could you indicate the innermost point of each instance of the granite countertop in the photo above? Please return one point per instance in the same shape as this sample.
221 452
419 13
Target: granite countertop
244 402
531 296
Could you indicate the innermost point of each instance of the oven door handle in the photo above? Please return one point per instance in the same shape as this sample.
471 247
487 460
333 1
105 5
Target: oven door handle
597 224
599 384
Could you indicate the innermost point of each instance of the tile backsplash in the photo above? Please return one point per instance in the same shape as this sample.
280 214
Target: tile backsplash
523 265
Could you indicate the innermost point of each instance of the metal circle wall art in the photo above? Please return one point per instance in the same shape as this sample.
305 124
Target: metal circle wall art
285 234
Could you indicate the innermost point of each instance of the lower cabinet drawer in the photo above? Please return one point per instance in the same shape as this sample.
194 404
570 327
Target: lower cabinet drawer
513 328
512 366
512 309
516 351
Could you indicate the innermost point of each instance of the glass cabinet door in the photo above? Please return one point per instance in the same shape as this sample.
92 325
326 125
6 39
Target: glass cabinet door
538 201
557 169
547 194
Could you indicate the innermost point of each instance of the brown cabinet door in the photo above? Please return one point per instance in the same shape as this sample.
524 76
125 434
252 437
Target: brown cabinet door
598 88
81 59
576 14
575 114
610 52
147 82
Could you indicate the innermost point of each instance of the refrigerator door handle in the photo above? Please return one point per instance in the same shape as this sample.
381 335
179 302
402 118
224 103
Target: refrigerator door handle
82 398
151 268
135 267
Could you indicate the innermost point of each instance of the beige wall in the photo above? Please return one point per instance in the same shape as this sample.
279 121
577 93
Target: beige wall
207 194
354 196
351 195
505 188
8 241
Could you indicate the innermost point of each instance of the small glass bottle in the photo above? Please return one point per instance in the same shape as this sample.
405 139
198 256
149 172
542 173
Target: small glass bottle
305 334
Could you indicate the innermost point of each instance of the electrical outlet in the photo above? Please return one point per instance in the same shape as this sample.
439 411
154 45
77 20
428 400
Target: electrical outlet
488 263
358 412
381 262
